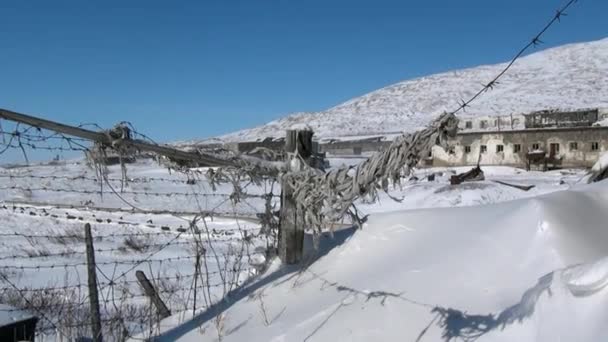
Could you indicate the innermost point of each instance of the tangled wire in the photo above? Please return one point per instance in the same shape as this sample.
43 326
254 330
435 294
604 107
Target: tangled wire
324 198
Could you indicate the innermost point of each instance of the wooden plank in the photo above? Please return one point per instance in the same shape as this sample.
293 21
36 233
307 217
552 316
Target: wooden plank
105 139
517 186
150 291
93 294
291 226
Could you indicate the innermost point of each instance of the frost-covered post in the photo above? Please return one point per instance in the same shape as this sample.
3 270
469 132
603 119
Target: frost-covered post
92 277
298 147
151 292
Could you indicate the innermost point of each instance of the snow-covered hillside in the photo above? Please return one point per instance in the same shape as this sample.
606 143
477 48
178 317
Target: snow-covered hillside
567 77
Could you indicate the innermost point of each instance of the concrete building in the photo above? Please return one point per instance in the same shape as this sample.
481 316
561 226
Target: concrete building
541 139
546 138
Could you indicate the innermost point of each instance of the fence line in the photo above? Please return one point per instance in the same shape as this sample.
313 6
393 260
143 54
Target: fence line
227 254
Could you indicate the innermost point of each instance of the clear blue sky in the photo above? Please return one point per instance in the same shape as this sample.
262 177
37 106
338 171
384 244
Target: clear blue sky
187 69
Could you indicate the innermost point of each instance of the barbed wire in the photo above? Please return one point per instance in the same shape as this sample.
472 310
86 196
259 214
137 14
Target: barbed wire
34 211
103 284
212 212
94 179
534 42
122 249
233 261
127 192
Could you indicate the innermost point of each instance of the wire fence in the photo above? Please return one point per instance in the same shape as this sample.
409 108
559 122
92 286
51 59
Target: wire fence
194 242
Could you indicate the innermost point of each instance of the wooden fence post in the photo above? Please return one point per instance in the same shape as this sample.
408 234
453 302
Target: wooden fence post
298 146
163 311
93 294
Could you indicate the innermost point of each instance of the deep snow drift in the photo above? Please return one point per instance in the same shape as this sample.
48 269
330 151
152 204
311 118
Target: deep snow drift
566 77
533 269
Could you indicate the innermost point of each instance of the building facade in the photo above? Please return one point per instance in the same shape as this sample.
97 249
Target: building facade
551 138
556 138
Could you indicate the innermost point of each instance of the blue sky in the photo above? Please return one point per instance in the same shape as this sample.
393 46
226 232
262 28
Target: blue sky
186 69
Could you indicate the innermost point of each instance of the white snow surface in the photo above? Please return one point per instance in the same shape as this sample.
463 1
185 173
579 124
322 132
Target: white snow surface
445 263
566 77
532 269
49 202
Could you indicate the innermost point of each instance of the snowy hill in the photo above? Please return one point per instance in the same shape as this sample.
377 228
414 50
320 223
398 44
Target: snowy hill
566 77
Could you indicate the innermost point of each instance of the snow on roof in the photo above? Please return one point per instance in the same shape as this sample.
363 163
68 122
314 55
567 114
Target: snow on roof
10 315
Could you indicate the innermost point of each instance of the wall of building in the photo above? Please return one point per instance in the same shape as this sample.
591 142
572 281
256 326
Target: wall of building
243 147
582 156
352 148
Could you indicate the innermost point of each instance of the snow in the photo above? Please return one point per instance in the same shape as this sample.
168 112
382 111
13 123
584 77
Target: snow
445 263
531 269
166 205
565 77
598 168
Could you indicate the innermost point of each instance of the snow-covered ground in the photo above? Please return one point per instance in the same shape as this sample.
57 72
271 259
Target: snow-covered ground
532 269
154 225
443 263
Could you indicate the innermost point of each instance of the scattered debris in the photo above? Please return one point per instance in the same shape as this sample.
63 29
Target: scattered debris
475 174
599 171
520 187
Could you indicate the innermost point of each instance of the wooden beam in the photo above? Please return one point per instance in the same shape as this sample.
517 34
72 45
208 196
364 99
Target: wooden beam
291 225
92 277
105 139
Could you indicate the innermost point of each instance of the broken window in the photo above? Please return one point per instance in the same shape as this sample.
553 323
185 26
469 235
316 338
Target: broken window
500 148
483 124
484 148
536 146
468 124
516 148
467 149
573 146
595 146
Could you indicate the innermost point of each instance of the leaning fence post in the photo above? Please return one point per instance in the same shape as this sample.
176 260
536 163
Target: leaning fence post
298 146
93 294
150 291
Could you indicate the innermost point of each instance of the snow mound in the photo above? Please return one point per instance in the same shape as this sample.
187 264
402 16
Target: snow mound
585 280
533 269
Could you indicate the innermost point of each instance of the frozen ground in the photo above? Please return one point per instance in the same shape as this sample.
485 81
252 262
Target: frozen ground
420 268
532 269
148 227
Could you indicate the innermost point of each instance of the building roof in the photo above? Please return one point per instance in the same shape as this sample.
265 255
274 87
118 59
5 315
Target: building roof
11 315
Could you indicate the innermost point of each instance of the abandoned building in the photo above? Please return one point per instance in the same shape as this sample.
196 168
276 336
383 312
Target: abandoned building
541 139
544 139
